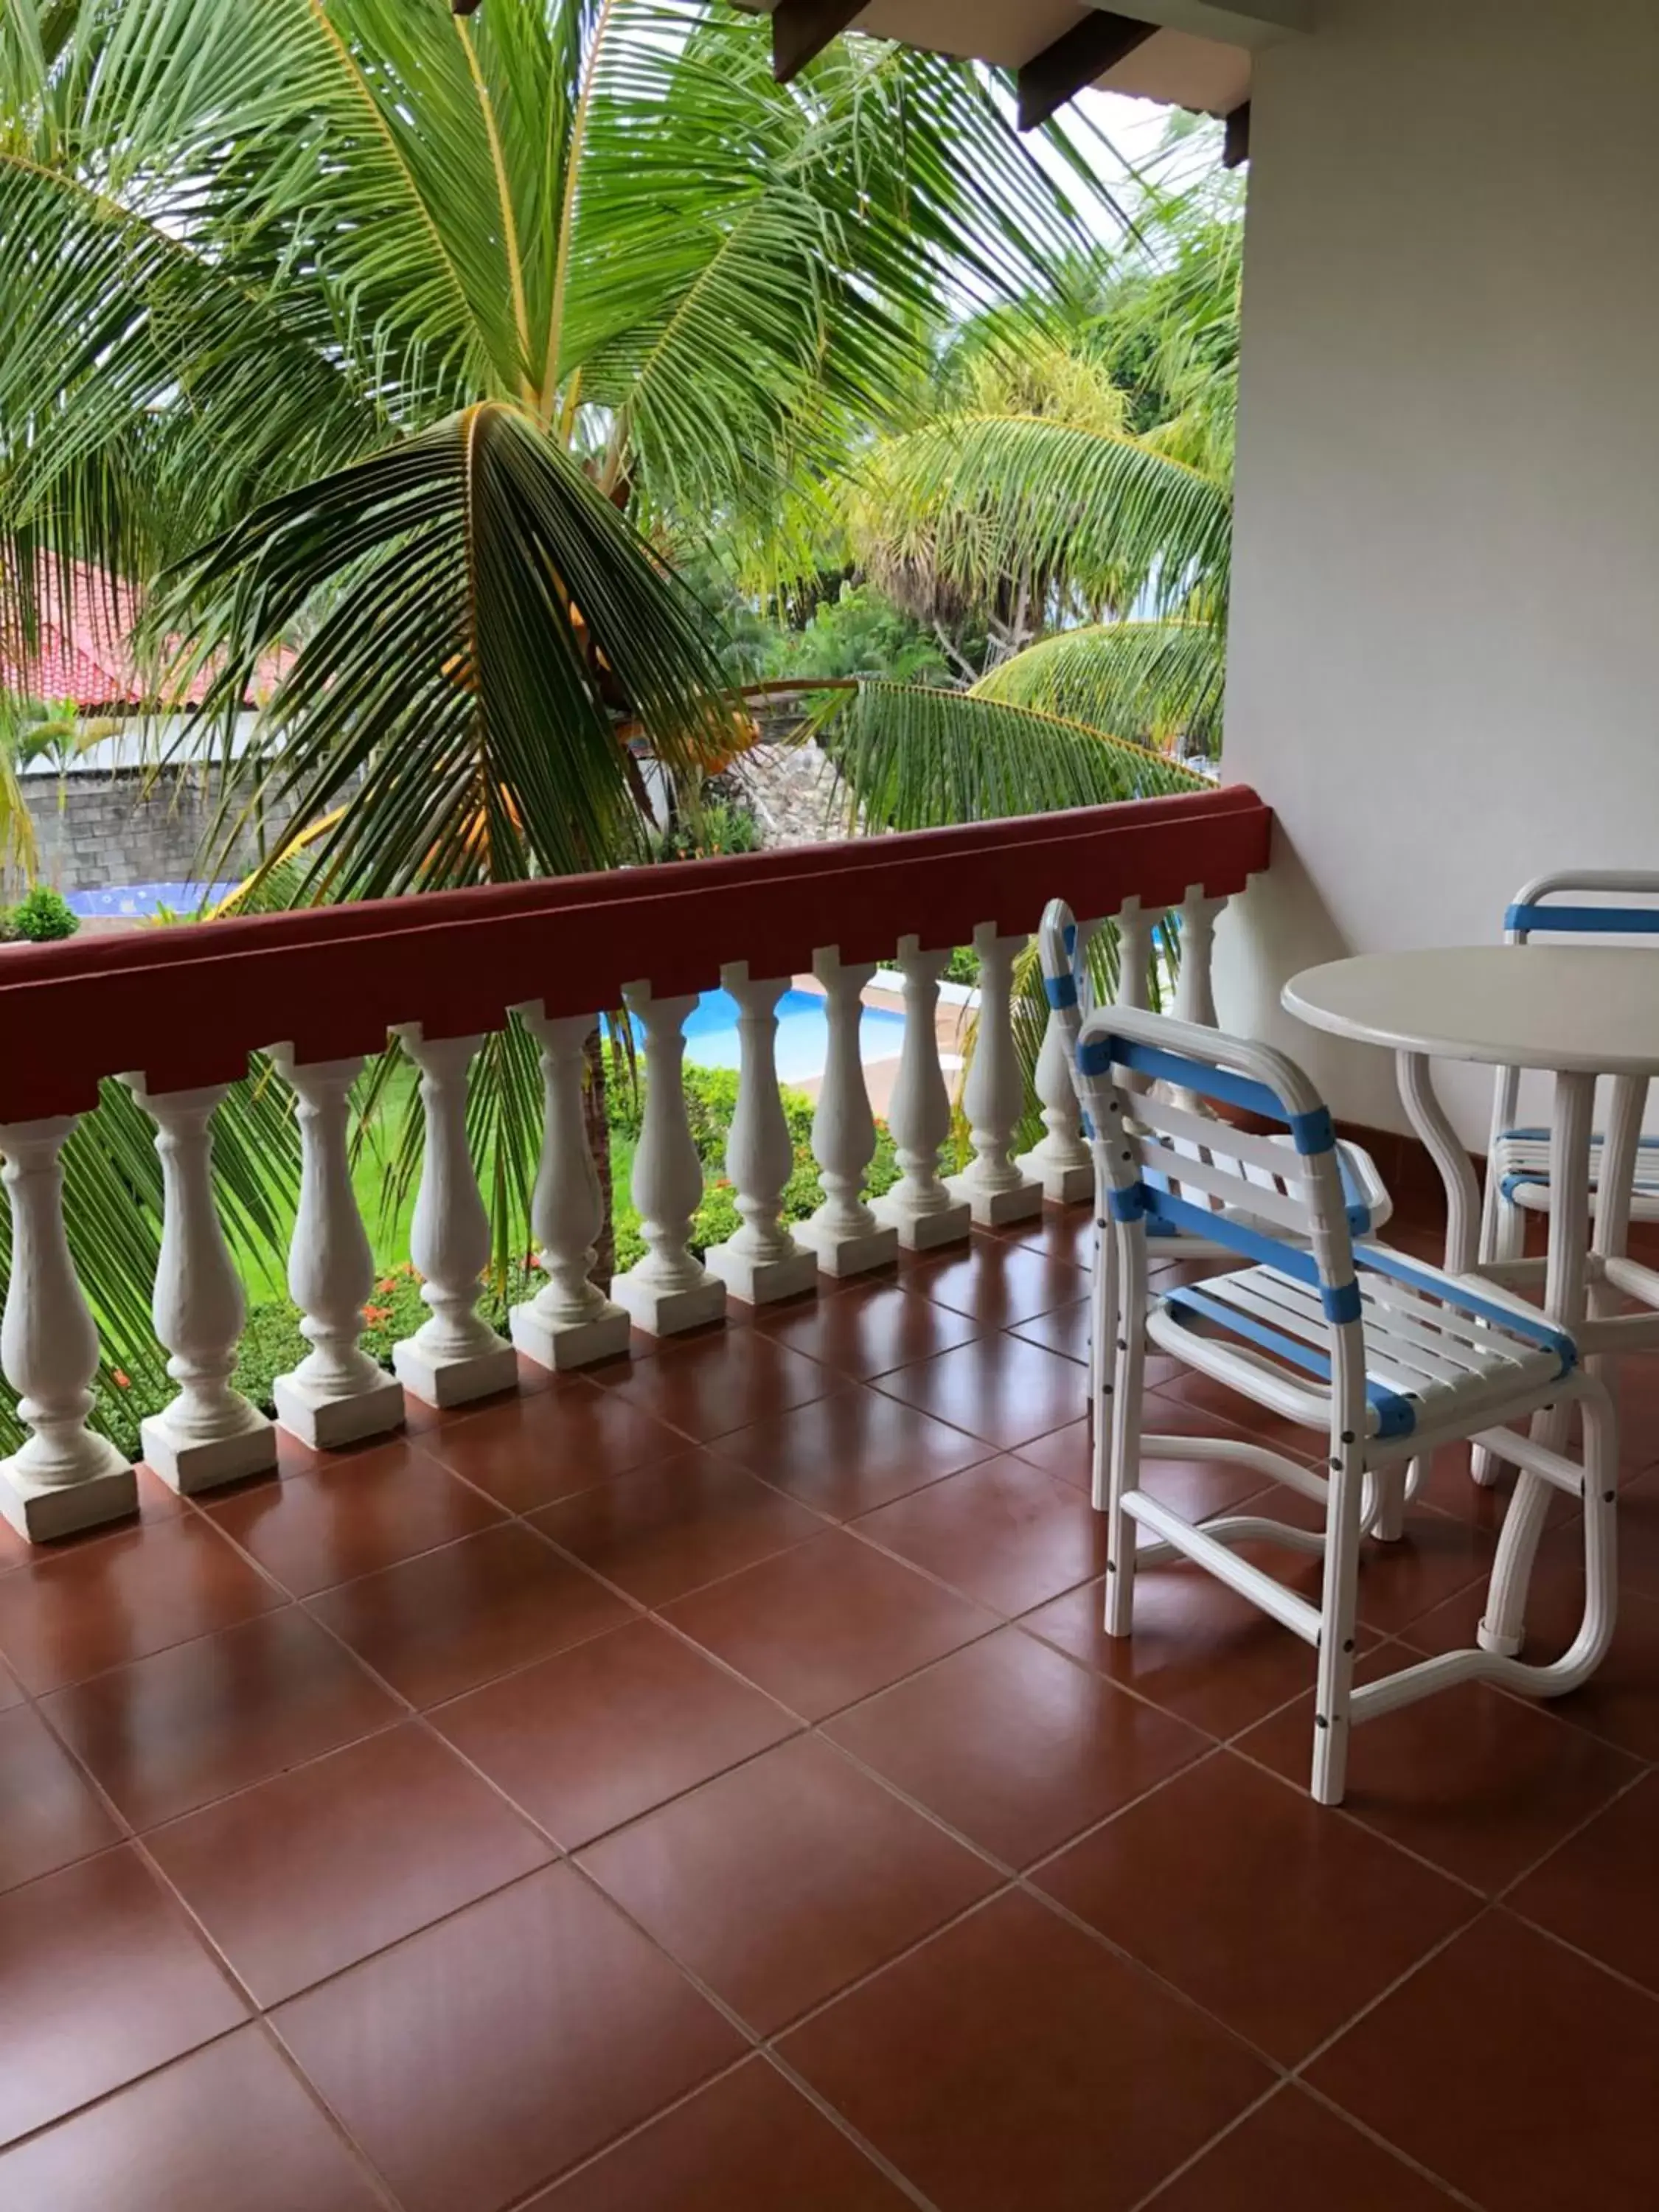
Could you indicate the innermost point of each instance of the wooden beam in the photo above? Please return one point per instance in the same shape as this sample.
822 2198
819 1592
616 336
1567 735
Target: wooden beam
1087 50
1235 146
801 29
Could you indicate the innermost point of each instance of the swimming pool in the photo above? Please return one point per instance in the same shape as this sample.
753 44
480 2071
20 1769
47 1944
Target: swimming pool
803 1044
141 902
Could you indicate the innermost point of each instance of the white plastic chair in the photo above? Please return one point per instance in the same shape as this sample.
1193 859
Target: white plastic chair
1387 1358
1599 904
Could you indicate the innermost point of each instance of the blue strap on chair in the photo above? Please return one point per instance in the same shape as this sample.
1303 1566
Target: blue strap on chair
1396 1416
1584 920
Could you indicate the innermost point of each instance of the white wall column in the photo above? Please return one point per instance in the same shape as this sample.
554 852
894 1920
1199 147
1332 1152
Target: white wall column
844 1233
456 1356
63 1477
669 1289
569 1323
995 1186
210 1433
1059 1160
919 1205
337 1394
762 1262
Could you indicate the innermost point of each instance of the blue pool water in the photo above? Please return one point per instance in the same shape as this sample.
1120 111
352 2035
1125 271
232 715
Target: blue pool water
711 1034
139 902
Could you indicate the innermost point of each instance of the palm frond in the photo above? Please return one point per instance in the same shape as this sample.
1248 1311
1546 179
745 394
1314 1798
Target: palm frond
918 758
1149 682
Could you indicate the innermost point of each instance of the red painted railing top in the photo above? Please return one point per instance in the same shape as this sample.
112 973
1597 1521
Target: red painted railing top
185 1006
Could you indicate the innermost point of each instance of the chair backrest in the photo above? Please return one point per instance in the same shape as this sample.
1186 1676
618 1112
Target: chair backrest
1573 902
1157 1170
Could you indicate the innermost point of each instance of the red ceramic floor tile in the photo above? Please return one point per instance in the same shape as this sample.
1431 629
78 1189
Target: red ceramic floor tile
998 1284
1518 2072
1620 1701
1276 1917
49 1817
490 2052
1066 1330
1478 1782
11 1690
1639 1534
748 2142
1012 2061
1064 1232
1015 1747
1199 1648
70 1615
1000 1388
1202 1394
1598 1891
104 1979
727 1379
183 1727
784 1881
1165 1414
1295 2155
450 1619
350 1517
846 1454
670 1528
600 1734
317 1868
830 1622
1065 1452
1004 1534
527 1452
868 1328
230 2127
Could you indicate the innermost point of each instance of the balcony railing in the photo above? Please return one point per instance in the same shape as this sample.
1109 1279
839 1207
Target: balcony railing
176 1014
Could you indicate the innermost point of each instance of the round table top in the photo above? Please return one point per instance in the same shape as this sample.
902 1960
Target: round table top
1577 1009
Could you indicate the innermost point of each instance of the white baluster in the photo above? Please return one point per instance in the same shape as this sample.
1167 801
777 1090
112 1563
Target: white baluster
569 1323
1135 953
919 1205
996 1187
1194 997
209 1433
668 1291
63 1477
762 1262
844 1234
337 1394
456 1356
1061 1160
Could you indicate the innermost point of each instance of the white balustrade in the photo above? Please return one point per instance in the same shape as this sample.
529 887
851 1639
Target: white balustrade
994 1186
1135 953
844 1234
210 1433
762 1262
1059 1160
669 1289
1194 994
63 1477
569 1323
455 1356
337 1394
919 1205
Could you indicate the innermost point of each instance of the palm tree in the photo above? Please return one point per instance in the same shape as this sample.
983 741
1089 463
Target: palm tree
1061 515
425 343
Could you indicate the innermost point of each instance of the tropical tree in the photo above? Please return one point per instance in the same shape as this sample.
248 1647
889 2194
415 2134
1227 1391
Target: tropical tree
425 345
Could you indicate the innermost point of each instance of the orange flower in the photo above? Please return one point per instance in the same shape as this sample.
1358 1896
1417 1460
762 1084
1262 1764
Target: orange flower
373 1313
386 1283
121 1382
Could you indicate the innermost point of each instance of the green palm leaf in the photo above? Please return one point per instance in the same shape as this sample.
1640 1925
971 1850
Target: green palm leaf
1146 681
917 758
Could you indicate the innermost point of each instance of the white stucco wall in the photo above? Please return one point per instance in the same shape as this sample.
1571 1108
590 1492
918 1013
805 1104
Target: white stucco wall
1444 655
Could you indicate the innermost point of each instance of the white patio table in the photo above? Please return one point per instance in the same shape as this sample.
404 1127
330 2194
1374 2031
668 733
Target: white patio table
1576 1012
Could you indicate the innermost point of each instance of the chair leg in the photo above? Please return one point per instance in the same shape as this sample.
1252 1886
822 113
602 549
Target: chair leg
1129 1346
1503 1237
1394 1484
1333 1687
1103 1314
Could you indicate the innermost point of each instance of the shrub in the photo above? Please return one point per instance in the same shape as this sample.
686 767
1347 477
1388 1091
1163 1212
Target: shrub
962 966
42 916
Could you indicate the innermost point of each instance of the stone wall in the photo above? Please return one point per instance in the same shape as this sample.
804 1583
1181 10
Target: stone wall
131 827
797 797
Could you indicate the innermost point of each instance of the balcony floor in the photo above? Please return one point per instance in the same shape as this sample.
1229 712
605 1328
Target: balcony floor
706 1786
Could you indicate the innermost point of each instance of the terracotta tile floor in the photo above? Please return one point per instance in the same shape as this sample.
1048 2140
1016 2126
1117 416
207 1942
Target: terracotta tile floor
705 1786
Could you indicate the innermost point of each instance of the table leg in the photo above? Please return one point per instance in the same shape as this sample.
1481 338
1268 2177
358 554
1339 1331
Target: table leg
1428 1117
1566 1293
